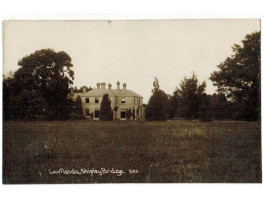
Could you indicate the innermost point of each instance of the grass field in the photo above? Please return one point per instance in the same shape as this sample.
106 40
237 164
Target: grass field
148 152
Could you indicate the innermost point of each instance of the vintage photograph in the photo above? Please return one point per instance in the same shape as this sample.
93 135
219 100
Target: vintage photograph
131 101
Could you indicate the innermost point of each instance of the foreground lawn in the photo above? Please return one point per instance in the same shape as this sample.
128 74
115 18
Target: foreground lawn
146 152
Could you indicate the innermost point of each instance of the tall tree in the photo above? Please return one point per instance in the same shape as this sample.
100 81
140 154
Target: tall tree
156 86
106 113
7 92
239 76
41 85
190 97
156 110
78 106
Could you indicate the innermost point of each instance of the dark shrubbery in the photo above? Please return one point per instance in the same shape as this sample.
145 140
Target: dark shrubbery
128 114
156 110
204 113
106 113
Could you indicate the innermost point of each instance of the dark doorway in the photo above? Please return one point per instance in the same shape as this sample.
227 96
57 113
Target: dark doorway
123 115
96 114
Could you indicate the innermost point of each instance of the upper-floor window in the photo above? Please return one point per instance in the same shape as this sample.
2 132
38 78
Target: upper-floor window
138 101
87 100
123 100
96 100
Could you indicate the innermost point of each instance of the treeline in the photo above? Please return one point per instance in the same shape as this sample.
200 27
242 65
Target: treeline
190 102
41 88
80 90
238 97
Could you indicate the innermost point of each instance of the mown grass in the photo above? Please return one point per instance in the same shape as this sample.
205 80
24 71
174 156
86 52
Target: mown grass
170 152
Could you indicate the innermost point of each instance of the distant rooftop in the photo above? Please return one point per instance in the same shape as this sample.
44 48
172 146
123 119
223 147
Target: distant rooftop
101 90
112 92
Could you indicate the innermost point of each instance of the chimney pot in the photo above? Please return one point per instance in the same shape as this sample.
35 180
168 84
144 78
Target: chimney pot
124 86
98 85
109 86
84 89
103 85
118 85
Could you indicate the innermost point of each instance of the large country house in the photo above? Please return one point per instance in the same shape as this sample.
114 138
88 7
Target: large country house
123 99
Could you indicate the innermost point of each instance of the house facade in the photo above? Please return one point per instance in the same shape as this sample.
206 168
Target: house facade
122 98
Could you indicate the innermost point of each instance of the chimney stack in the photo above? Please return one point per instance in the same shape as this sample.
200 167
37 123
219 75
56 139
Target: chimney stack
109 86
103 85
118 85
124 86
98 85
84 89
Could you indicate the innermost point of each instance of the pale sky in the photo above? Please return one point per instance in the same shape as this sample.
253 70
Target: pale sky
133 52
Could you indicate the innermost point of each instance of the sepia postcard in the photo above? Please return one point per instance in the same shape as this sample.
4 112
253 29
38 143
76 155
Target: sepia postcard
132 101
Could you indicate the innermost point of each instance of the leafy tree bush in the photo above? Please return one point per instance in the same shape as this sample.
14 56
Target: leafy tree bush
239 77
157 108
128 114
205 109
173 104
80 90
106 114
219 107
189 97
40 86
77 110
78 106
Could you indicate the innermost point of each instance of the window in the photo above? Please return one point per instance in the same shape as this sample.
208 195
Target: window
96 114
123 112
96 100
87 111
138 101
87 100
123 100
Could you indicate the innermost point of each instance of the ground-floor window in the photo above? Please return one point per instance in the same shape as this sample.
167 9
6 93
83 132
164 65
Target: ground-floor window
96 114
122 114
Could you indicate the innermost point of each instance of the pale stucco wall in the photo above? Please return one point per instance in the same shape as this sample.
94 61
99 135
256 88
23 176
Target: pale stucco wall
130 103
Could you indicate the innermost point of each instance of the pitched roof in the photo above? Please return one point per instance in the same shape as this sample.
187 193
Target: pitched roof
99 93
111 92
125 93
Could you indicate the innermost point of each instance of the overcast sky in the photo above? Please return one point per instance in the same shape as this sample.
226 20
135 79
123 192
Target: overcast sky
133 52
